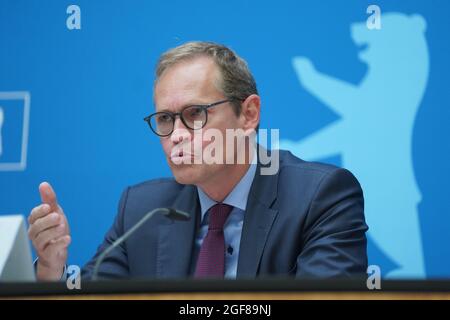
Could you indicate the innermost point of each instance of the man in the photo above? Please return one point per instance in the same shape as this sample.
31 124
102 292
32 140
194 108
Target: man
305 219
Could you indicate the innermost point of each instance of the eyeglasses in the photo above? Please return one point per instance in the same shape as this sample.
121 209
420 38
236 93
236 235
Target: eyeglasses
193 117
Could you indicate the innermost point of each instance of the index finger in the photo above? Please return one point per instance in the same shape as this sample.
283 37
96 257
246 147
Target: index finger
38 212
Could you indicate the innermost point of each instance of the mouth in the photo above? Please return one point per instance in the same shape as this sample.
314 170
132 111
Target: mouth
180 157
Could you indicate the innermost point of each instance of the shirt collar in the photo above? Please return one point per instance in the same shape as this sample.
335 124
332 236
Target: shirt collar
237 197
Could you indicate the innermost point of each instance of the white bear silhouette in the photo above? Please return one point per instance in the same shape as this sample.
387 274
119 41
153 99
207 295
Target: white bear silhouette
375 130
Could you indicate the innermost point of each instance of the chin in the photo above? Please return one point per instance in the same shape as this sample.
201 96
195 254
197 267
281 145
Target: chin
185 174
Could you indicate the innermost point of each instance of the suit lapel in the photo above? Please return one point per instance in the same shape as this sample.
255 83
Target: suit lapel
176 239
258 220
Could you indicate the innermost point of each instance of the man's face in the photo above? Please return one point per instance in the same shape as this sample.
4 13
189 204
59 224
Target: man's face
193 82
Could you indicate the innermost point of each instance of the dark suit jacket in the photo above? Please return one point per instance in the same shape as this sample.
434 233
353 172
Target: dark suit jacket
307 220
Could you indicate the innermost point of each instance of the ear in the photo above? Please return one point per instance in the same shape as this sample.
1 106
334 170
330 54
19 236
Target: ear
250 113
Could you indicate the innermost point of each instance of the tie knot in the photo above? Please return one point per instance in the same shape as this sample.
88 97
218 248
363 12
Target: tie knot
218 214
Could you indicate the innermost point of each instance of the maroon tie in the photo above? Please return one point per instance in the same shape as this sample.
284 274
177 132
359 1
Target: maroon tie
211 259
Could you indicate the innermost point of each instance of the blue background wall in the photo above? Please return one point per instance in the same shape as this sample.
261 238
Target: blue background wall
89 90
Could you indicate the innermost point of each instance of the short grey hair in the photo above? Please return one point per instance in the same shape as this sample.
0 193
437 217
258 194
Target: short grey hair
236 83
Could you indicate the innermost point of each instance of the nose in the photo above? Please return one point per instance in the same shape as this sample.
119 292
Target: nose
180 132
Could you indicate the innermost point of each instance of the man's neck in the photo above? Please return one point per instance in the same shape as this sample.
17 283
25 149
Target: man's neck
223 184
219 187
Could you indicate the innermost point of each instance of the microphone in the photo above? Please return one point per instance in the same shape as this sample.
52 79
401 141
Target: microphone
171 213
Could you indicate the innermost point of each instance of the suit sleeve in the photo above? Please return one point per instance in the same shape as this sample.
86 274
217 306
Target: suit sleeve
115 265
334 241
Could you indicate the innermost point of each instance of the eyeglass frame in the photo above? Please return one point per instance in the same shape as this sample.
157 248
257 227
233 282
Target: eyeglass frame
174 115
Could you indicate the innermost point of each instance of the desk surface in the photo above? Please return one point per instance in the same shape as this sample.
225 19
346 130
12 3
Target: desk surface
263 289
230 296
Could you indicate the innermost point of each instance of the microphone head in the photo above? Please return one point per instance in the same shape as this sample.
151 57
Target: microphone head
175 214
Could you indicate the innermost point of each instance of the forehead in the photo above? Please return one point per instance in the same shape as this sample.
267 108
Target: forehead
187 82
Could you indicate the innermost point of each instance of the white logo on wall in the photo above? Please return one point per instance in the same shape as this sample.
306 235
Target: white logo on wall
1 125
14 126
374 133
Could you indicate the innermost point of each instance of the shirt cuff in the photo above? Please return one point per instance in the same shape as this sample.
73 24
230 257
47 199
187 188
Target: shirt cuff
63 276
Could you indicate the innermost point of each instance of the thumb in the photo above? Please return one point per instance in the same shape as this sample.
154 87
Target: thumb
48 196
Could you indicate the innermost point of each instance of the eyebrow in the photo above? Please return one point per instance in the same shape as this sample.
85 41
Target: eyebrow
183 107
